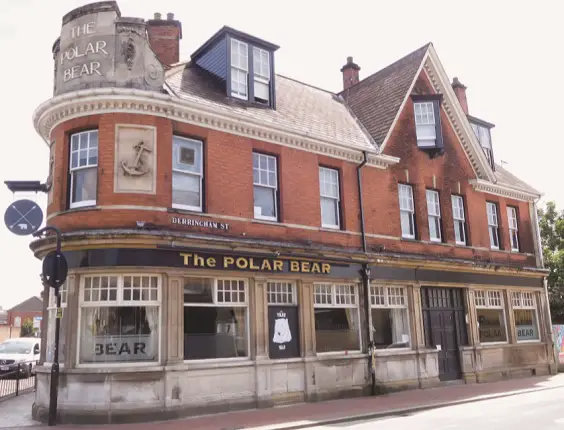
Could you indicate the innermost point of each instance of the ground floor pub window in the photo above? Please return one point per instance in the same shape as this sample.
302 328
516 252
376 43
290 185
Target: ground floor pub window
490 312
119 318
337 324
215 318
390 322
51 319
283 320
525 315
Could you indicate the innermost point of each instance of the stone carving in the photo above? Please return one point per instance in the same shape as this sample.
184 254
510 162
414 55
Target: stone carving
139 167
128 49
135 159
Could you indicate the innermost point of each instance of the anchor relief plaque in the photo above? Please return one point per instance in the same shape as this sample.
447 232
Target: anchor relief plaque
135 154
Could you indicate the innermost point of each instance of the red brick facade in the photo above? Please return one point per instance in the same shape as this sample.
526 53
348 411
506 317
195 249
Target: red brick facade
228 190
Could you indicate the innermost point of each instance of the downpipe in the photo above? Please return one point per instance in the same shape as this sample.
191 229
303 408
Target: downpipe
366 279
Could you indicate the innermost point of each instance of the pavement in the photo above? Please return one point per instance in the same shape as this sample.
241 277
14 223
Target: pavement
539 410
332 414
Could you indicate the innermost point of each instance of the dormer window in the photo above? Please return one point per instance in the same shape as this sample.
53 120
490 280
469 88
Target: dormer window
241 64
427 123
261 70
239 69
482 130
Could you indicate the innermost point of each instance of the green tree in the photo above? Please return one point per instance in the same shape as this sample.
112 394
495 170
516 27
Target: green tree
27 328
551 222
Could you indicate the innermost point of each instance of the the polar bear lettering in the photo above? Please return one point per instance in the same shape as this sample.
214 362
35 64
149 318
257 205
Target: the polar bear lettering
282 332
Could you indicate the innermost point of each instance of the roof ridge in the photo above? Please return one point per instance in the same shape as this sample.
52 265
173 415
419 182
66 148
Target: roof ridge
389 66
306 84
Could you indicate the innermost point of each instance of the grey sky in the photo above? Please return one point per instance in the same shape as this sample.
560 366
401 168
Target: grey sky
509 57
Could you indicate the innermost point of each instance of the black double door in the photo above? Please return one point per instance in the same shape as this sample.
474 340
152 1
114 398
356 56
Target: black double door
444 324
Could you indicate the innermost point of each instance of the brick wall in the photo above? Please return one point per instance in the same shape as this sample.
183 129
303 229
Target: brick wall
228 190
164 38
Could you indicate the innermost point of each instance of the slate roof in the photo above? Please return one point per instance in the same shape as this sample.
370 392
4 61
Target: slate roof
376 99
504 177
300 108
33 304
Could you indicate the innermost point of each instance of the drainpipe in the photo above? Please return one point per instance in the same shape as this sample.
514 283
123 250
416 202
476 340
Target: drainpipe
366 276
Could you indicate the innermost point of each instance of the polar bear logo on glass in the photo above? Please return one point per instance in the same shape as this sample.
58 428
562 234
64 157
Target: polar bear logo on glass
282 332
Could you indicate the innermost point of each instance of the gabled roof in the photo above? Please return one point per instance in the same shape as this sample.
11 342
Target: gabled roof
33 304
508 179
377 99
300 108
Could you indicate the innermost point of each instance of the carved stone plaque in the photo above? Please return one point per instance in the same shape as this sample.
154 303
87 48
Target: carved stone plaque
135 159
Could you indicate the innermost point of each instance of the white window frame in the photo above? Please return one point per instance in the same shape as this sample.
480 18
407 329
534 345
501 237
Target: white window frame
459 217
386 303
177 142
240 69
425 120
334 174
52 308
434 213
525 300
259 75
486 299
493 224
333 294
282 287
409 209
484 138
119 302
224 304
513 228
72 170
269 186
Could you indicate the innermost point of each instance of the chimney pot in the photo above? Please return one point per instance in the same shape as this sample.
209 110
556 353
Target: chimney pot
170 16
157 15
350 73
460 91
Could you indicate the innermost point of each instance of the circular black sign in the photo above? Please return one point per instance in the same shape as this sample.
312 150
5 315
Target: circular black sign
55 269
23 217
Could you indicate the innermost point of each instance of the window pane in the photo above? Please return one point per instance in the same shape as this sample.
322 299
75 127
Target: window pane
329 212
84 184
187 155
459 232
198 290
215 332
390 328
262 91
336 329
186 189
434 228
407 224
491 324
526 324
119 334
264 202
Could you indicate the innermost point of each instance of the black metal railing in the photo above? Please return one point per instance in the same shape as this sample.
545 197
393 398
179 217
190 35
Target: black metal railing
17 378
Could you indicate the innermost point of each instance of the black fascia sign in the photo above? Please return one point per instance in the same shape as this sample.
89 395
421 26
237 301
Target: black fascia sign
55 269
23 217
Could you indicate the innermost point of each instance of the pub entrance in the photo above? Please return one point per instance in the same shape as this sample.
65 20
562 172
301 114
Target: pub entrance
445 327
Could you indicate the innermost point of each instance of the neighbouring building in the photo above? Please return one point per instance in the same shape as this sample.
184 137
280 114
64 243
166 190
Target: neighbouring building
237 238
29 312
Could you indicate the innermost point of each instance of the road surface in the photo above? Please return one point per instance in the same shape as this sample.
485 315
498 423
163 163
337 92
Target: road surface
541 410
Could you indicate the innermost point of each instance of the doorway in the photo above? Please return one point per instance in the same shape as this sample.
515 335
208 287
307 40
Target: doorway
444 324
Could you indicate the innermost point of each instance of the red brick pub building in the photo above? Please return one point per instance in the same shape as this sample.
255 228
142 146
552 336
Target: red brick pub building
237 238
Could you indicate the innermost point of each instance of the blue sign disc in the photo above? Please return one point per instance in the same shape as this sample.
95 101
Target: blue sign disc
23 217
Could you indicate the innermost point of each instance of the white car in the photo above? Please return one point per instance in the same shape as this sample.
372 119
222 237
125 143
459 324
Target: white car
22 353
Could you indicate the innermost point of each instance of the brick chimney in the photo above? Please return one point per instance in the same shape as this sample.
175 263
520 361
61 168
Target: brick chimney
350 73
460 91
164 38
